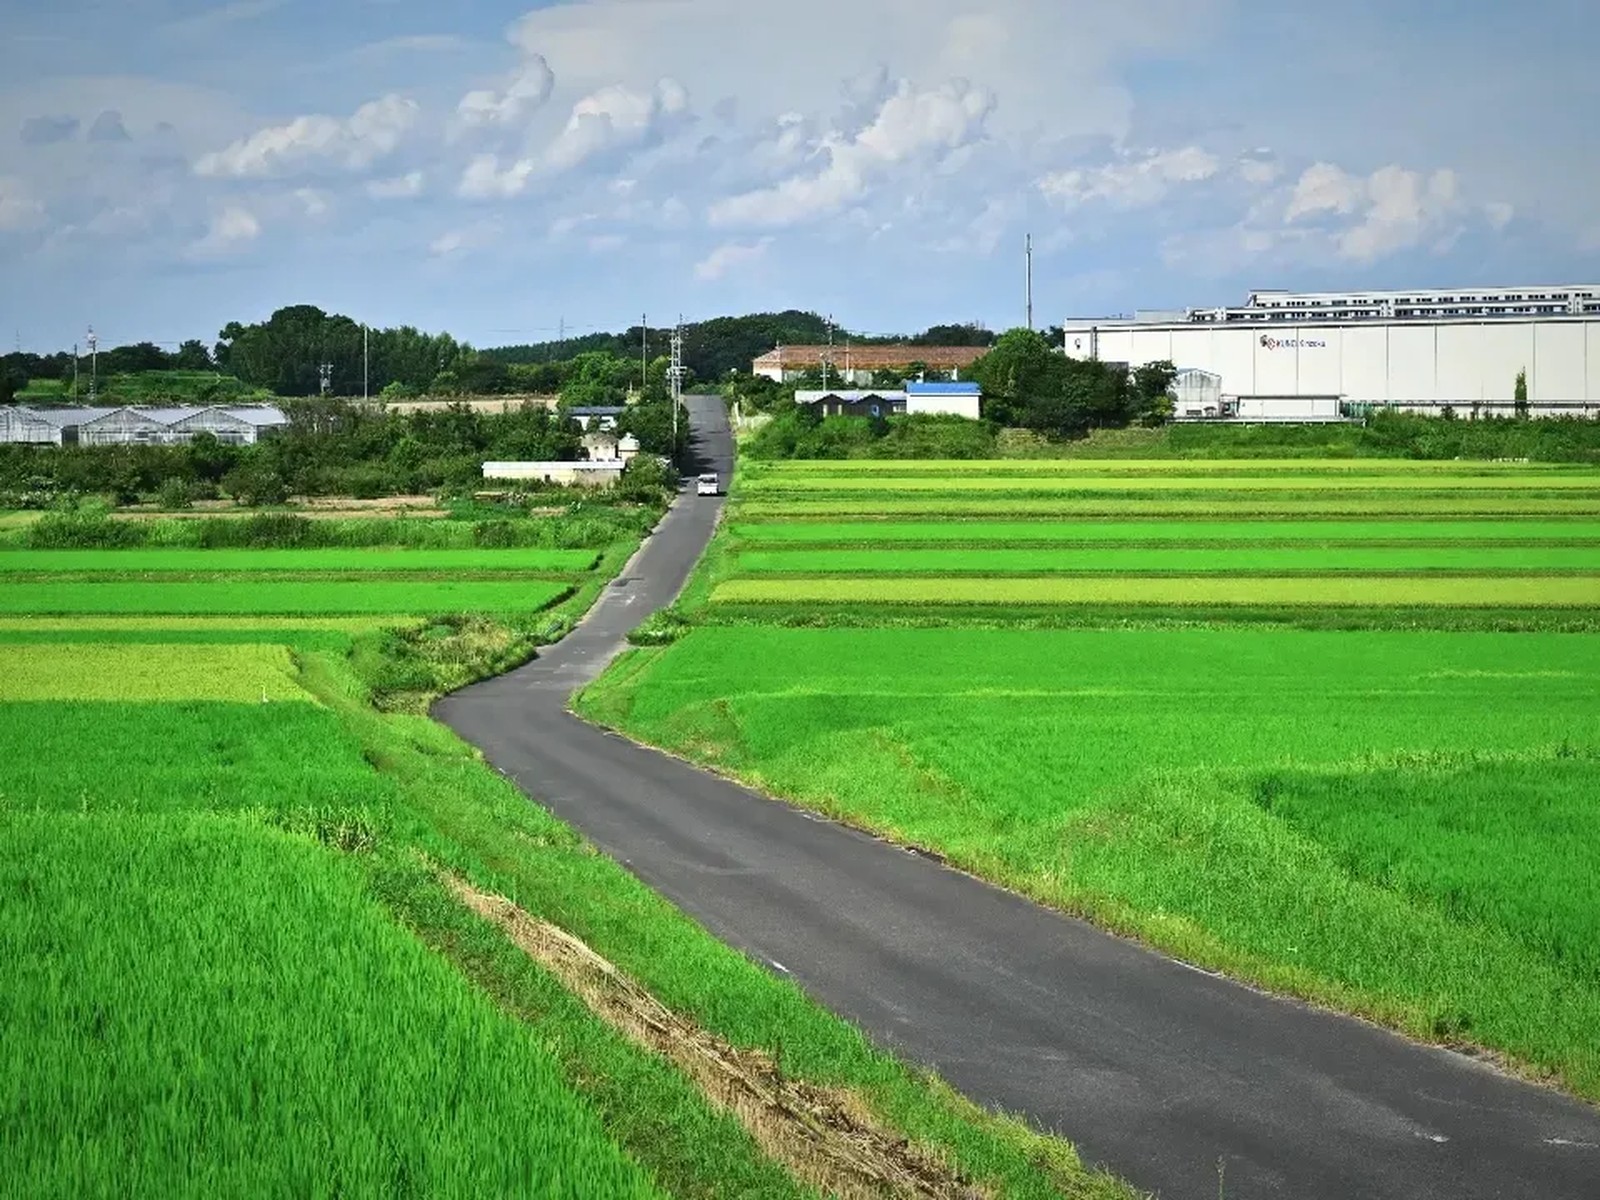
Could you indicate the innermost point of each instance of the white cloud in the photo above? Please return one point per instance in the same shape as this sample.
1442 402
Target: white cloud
398 188
18 208
355 143
613 117
485 180
911 126
1392 209
1132 180
469 237
728 257
1324 187
1260 167
230 229
525 93
1330 216
1056 66
314 202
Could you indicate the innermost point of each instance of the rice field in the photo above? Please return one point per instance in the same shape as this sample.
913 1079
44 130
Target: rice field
274 597
232 969
163 561
1331 532
1391 811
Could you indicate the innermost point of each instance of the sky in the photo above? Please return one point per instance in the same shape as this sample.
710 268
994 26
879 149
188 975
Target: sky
504 172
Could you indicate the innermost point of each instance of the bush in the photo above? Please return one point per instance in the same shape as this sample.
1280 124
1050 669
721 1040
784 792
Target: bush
254 486
174 494
496 535
647 480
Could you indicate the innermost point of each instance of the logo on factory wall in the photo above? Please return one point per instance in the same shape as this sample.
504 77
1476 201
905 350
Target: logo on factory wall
1268 342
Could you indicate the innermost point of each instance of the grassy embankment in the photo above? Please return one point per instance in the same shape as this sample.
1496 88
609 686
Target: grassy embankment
1296 750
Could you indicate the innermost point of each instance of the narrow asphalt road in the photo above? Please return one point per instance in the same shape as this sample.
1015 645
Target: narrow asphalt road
1154 1069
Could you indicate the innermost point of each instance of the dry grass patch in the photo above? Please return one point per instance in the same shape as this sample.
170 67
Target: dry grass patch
825 1137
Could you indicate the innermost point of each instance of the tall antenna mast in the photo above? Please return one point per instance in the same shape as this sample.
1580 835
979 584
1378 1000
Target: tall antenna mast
644 353
1028 272
94 365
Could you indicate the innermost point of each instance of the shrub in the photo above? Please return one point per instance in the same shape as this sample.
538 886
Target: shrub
174 494
255 486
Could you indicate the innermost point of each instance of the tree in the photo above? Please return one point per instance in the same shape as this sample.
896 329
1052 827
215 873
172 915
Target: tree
193 356
11 382
1025 384
1519 394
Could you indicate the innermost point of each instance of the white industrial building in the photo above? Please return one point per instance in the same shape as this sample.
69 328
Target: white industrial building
239 425
1320 356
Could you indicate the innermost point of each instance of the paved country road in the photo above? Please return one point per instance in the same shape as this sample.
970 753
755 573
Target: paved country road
1154 1069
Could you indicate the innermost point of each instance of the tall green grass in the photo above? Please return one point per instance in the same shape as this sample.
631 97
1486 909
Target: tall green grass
200 1006
1398 823
1219 505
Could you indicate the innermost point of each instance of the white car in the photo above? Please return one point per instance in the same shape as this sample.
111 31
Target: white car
708 485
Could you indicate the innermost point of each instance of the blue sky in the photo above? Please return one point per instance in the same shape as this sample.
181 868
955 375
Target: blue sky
496 169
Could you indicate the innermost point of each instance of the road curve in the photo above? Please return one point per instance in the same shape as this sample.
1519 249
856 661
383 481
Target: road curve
1156 1070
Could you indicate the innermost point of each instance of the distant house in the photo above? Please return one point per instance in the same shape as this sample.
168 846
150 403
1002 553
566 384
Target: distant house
596 416
855 364
137 425
846 402
956 398
592 472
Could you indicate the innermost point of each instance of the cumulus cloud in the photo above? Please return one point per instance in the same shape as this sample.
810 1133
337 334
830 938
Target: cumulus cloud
1259 167
353 143
108 127
614 117
18 208
730 256
312 201
1324 187
1328 215
523 94
485 179
910 126
47 130
229 230
1392 209
398 188
1132 180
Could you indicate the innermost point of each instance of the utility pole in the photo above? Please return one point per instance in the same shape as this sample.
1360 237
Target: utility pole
365 375
675 377
74 372
94 365
1028 257
644 353
561 338
827 358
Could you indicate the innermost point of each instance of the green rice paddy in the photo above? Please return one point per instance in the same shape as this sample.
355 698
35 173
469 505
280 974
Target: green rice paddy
232 967
1397 821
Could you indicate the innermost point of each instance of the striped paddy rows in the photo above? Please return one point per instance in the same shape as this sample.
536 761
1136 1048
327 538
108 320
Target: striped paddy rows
288 582
1334 533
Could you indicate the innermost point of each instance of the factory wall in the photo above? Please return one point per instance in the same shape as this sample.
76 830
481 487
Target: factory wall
1429 363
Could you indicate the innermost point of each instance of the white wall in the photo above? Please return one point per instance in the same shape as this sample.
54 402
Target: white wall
1450 362
954 406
